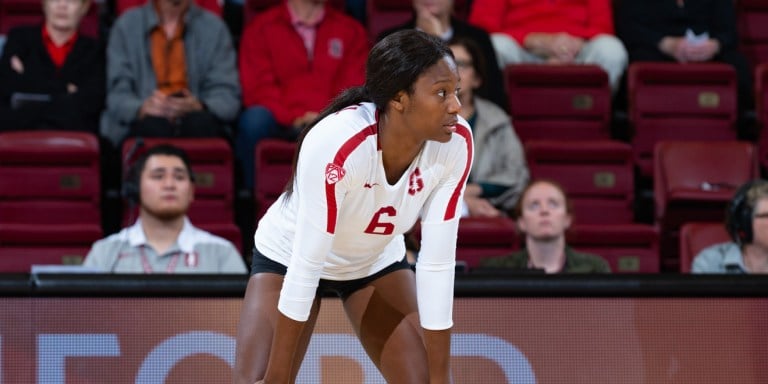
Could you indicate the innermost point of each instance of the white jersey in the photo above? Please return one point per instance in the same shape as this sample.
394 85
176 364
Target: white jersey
345 221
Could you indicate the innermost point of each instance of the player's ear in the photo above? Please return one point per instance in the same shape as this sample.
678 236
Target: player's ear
399 102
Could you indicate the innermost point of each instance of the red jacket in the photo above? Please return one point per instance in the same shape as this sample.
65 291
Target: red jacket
518 18
276 72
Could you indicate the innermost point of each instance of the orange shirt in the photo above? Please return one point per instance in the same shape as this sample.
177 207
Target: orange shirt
58 53
168 59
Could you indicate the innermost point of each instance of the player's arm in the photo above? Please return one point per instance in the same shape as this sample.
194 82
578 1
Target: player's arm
284 345
435 267
319 190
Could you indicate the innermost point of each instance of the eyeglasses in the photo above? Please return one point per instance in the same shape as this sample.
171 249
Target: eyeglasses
464 64
66 1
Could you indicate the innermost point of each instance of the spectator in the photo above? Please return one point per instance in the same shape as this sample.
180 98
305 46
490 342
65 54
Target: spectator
684 32
163 240
746 222
554 32
436 18
51 76
170 73
543 215
499 172
294 58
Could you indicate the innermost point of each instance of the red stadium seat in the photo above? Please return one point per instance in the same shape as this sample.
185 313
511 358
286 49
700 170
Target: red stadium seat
480 238
273 160
29 12
215 6
671 101
563 102
695 236
628 248
598 176
693 181
25 245
212 162
752 24
385 14
761 111
229 231
49 177
50 196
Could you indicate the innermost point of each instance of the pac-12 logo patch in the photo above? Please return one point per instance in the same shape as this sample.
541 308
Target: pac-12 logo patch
336 48
334 173
415 182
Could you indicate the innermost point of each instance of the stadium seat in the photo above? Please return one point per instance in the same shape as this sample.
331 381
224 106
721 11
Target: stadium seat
693 181
15 13
25 245
229 231
50 194
761 111
49 177
671 101
385 14
212 162
273 160
597 175
628 248
480 238
215 6
752 24
565 102
695 236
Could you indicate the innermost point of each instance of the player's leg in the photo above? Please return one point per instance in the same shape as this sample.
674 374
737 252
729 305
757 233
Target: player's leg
258 318
255 331
384 315
306 336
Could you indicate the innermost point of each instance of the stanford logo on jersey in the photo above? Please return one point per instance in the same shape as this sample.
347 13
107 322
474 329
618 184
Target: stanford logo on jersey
333 173
415 182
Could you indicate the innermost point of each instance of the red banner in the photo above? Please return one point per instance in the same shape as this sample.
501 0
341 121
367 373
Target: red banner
495 340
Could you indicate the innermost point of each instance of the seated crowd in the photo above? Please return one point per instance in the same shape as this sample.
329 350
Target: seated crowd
169 68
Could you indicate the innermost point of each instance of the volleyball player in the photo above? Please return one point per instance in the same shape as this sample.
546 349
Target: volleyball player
381 156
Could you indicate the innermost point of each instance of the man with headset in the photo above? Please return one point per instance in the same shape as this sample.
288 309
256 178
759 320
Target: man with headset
163 240
747 222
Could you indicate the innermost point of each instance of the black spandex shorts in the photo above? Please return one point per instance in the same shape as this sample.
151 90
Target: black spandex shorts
343 289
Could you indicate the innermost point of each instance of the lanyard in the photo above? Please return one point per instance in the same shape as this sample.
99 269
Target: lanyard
148 268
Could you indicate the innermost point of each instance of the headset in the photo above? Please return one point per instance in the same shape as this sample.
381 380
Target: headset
129 189
738 219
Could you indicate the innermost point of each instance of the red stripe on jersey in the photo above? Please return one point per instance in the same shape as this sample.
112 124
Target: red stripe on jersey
341 156
450 211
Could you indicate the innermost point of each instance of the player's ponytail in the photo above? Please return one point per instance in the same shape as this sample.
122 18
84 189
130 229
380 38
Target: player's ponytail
393 65
349 96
